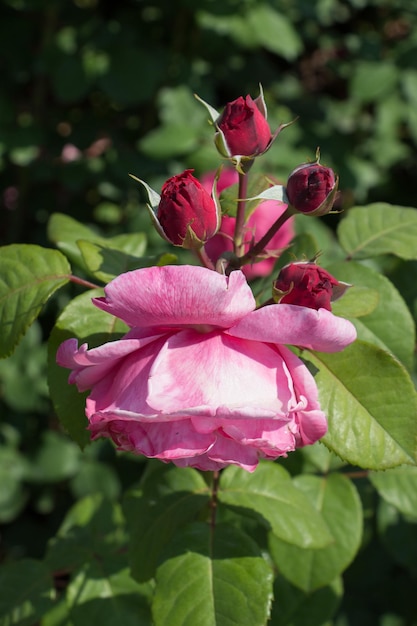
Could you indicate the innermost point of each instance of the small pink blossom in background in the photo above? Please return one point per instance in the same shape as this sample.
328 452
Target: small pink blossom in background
258 224
70 153
202 379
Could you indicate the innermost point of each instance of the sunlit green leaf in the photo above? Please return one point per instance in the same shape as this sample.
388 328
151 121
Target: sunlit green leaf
270 493
29 276
336 498
212 576
370 403
379 228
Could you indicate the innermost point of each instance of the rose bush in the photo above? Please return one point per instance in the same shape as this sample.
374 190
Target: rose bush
203 379
265 214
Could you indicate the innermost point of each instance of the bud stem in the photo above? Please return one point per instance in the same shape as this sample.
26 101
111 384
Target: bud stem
240 214
205 261
81 281
259 247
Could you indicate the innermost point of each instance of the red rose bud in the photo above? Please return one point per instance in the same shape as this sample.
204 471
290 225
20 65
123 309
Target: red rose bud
187 214
307 284
243 129
311 189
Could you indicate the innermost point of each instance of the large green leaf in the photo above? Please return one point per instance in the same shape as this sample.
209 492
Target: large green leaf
390 324
213 577
80 319
371 406
270 493
29 276
293 607
336 498
379 228
105 262
398 487
26 592
75 240
168 499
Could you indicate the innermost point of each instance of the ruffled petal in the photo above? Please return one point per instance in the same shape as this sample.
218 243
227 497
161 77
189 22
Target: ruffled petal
160 440
91 366
296 325
217 375
174 296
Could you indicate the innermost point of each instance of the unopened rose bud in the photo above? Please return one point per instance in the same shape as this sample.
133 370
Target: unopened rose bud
185 214
311 189
187 211
307 284
244 129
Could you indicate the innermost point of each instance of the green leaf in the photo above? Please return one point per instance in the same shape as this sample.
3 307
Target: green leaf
373 80
29 276
370 403
26 592
56 459
105 263
379 228
168 499
270 493
256 185
293 607
169 141
337 500
213 578
356 302
80 319
274 31
92 528
103 592
398 536
398 487
91 252
390 325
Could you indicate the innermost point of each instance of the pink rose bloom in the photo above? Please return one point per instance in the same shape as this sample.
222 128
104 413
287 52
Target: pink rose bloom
265 214
203 379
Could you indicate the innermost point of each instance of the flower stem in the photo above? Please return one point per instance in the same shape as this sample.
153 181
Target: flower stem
259 247
213 501
204 258
240 215
80 281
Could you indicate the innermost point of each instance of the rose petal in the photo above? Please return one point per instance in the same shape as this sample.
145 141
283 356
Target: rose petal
296 325
218 375
177 296
165 441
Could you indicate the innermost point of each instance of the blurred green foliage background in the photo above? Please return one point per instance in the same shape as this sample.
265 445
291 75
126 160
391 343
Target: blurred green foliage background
95 89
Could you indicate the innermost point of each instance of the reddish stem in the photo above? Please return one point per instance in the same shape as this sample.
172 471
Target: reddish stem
240 214
84 283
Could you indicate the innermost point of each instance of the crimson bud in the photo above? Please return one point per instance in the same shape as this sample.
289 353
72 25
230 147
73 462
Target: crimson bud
311 189
307 284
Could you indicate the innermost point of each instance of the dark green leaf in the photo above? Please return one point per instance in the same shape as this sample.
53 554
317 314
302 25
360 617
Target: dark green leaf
398 487
168 499
26 592
80 319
